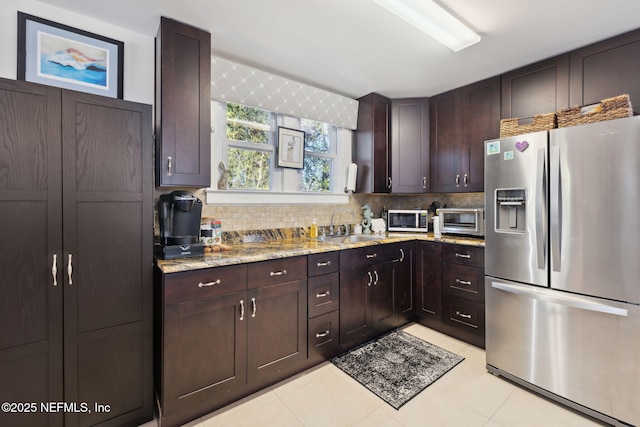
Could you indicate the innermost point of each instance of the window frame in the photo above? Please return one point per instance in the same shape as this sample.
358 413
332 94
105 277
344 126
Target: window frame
286 184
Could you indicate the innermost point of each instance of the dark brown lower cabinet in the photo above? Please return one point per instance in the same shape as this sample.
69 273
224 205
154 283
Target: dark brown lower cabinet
223 334
75 263
451 290
370 284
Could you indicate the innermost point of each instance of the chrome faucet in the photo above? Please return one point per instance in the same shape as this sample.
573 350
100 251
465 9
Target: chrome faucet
331 233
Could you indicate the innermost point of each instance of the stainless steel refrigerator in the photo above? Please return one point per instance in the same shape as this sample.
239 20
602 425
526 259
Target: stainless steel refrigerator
562 265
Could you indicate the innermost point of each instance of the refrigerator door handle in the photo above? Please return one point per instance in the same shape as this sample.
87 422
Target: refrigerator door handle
556 209
557 298
541 198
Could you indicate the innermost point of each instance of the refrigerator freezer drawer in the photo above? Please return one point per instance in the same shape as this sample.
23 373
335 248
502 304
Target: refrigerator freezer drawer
580 348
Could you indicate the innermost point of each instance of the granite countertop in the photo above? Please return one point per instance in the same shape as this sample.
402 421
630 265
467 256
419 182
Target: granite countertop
241 253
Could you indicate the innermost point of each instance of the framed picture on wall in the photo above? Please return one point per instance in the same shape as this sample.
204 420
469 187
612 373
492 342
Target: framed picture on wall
290 148
57 55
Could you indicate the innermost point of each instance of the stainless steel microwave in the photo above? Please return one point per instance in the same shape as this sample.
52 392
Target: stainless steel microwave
464 221
415 220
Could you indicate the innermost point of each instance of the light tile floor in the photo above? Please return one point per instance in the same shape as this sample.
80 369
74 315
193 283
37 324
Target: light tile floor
467 396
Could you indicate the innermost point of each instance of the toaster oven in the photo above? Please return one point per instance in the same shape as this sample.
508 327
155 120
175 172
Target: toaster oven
464 221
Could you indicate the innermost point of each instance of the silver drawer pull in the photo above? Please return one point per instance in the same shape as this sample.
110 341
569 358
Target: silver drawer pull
375 282
253 307
463 282
370 278
324 294
369 256
241 309
54 270
169 166
323 334
462 255
202 285
70 270
278 273
466 316
324 264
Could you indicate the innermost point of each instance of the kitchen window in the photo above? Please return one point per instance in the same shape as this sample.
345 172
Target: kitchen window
249 149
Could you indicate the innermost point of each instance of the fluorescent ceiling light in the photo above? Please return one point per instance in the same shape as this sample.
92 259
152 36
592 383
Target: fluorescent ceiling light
432 19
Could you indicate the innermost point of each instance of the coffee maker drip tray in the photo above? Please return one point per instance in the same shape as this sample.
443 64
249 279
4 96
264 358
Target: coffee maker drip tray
178 251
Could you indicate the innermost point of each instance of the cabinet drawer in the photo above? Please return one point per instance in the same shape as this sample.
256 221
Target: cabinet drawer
323 294
197 284
277 271
369 255
465 255
323 263
463 281
464 314
324 333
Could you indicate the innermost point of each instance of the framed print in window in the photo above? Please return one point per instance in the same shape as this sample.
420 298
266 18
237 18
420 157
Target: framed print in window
57 55
290 148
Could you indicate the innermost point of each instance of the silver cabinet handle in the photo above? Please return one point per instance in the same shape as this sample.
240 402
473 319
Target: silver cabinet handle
375 282
324 264
401 255
457 180
241 309
370 278
390 181
466 179
217 282
323 334
253 307
466 316
369 256
424 182
463 282
169 159
54 270
278 273
324 294
70 270
463 256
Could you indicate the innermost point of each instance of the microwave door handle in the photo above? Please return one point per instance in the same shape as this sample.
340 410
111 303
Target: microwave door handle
541 199
556 208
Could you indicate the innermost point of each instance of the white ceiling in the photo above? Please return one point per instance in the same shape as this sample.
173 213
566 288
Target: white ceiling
354 47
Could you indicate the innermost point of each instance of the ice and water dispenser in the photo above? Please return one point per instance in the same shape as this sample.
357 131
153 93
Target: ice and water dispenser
510 210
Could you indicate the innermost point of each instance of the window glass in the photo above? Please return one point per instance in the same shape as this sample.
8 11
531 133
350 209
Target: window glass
247 124
317 136
317 173
249 169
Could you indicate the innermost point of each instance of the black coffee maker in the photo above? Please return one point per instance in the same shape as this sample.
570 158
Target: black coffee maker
179 214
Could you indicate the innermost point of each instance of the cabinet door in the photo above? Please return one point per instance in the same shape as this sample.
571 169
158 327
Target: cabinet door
481 121
405 283
539 88
373 140
107 260
183 105
410 145
606 69
355 317
445 141
31 230
382 298
277 343
429 282
205 347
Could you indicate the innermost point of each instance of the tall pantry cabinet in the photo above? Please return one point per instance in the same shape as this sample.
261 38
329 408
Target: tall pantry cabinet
75 258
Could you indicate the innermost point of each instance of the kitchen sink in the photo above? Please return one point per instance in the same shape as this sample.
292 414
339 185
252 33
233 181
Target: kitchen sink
353 238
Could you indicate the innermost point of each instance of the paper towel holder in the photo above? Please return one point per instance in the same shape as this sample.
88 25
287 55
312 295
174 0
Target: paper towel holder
351 178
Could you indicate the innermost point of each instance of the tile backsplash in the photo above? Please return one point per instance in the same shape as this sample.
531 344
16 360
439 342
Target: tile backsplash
274 216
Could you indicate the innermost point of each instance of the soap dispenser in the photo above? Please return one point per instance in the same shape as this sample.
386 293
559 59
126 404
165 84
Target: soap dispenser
313 230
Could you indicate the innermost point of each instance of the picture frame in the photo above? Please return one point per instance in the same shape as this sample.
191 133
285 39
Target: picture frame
290 148
58 55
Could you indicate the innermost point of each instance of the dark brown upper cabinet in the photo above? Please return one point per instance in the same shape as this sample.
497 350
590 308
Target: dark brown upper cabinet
373 144
538 88
410 145
605 69
183 105
460 121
